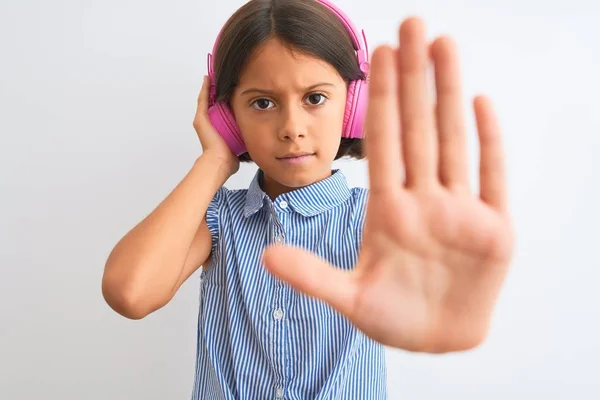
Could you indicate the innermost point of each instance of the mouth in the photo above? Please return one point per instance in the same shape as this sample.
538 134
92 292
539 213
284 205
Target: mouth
296 158
295 155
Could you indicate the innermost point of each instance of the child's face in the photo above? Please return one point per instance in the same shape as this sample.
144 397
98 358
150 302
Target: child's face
285 103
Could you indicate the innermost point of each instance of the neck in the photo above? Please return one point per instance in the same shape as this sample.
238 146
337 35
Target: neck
273 188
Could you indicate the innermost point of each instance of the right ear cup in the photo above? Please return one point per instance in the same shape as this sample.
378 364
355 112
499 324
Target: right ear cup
223 121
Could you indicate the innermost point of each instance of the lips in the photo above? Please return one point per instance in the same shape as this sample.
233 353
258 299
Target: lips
295 155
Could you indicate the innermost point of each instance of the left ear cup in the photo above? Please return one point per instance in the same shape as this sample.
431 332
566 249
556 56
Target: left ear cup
356 110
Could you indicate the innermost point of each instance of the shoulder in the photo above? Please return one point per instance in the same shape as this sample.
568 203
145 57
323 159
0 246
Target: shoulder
226 196
358 206
357 202
358 198
225 202
359 195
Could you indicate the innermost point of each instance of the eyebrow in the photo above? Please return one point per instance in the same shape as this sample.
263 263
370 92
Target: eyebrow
263 91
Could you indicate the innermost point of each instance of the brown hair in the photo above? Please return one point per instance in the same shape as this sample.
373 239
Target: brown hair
306 26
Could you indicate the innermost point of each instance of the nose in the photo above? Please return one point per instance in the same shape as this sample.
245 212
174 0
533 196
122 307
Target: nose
292 124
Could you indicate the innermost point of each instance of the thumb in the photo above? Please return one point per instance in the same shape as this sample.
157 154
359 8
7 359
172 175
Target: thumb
312 276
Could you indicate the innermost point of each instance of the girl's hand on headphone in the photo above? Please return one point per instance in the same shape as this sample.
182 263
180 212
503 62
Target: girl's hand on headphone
212 143
434 254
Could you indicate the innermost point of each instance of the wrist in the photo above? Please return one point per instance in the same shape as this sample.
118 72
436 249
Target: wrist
220 165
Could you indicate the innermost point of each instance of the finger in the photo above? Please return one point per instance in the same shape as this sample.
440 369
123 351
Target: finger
453 163
418 130
382 123
201 119
312 276
491 164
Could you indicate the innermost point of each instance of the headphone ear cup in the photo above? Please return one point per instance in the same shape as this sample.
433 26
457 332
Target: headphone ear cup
355 112
224 123
349 110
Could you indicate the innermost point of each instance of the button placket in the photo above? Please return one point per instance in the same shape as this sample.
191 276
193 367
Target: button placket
279 214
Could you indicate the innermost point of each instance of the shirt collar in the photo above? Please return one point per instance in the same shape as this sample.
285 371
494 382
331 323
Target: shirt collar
307 201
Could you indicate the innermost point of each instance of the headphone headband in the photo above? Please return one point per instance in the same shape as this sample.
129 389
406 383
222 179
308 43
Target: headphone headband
357 36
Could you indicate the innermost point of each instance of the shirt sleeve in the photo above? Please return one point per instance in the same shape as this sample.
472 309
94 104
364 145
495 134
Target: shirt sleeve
212 216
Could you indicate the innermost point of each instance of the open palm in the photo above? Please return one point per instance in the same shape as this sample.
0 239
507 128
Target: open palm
434 255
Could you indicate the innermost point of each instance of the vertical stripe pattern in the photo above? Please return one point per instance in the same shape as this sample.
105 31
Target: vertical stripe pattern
257 337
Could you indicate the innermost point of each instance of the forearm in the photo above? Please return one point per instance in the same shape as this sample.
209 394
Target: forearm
146 263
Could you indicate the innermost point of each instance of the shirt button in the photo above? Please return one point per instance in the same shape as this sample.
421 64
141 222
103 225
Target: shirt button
279 239
278 314
279 393
283 204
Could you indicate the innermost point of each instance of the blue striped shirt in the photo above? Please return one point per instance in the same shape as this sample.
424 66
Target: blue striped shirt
257 337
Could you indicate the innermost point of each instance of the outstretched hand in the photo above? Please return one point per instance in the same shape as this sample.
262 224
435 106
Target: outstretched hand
434 255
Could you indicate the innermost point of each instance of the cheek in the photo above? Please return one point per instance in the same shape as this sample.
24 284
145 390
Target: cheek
331 144
335 120
250 126
337 113
329 139
256 135
256 130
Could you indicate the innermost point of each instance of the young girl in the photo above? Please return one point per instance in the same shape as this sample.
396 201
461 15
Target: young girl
304 278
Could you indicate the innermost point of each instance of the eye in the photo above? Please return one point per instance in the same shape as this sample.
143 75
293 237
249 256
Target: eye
261 104
316 99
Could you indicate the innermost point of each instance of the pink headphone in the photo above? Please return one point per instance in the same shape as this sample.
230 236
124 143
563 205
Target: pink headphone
222 118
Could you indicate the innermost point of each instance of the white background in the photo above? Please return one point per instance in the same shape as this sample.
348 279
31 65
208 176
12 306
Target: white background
96 107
